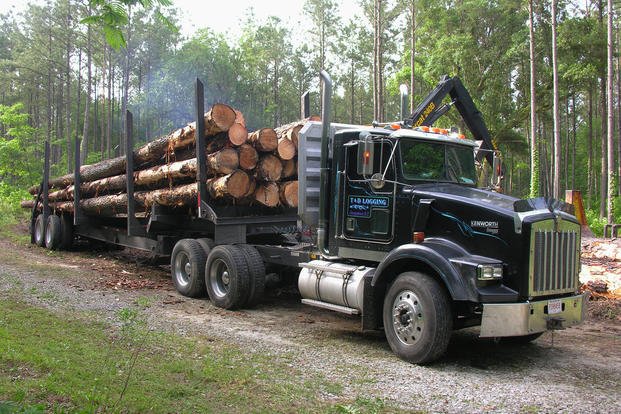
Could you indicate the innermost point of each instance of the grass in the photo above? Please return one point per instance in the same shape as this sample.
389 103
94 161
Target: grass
61 363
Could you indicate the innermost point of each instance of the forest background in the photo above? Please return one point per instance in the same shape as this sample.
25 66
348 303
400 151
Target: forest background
69 69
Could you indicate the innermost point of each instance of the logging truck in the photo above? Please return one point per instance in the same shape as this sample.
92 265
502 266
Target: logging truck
387 223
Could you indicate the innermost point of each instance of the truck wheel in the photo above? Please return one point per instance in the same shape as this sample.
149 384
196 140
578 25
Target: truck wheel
256 272
53 232
417 318
226 277
66 231
206 244
39 231
187 266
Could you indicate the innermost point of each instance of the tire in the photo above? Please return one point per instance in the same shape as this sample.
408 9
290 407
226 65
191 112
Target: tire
519 340
66 231
53 232
226 277
39 231
256 272
206 244
187 268
417 317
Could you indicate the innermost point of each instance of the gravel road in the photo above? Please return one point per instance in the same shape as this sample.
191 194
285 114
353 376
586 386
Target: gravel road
577 370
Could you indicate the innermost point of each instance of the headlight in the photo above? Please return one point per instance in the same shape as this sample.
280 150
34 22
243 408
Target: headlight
489 272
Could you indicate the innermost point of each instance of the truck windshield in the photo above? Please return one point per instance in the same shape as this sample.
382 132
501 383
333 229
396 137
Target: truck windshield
431 161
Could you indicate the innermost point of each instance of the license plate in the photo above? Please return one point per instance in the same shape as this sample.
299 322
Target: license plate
555 306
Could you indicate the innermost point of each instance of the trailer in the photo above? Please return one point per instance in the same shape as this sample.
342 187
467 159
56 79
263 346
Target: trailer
389 226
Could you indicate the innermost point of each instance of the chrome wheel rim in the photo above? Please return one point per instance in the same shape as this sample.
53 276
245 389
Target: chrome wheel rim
220 277
183 269
407 317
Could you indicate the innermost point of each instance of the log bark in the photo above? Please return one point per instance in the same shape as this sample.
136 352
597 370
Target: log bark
248 157
269 168
110 205
289 193
234 185
292 130
222 162
264 140
267 194
218 119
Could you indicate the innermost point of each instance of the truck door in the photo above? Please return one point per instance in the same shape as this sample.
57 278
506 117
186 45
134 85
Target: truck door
369 191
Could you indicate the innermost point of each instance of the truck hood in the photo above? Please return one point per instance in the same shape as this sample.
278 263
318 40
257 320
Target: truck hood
500 203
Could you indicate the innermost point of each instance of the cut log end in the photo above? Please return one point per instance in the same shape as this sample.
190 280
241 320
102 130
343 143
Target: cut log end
238 134
269 168
233 185
264 140
289 193
286 149
290 168
267 194
220 118
248 157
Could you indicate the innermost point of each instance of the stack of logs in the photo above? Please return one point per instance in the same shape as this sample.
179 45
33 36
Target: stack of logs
243 169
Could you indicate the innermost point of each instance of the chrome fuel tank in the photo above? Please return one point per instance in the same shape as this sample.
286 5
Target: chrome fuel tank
335 283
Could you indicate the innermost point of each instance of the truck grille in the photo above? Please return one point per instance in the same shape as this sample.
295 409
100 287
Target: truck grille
555 258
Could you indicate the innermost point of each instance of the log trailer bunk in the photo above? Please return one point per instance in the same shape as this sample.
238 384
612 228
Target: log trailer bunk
390 226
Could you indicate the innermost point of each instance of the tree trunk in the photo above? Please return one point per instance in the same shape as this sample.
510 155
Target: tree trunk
556 173
224 161
412 52
590 176
610 124
534 156
85 130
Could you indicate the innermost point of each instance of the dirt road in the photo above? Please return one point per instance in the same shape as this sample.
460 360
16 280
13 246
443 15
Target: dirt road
576 370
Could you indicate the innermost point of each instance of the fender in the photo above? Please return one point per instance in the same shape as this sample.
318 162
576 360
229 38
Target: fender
435 253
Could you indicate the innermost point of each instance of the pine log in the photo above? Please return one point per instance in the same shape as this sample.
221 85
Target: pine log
269 168
289 168
289 193
267 194
238 134
264 139
286 148
292 129
218 119
109 205
234 185
248 157
224 161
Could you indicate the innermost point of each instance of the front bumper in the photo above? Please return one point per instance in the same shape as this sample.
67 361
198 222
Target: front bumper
517 319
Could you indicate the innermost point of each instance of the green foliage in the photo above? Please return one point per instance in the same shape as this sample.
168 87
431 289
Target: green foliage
595 222
18 154
113 15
